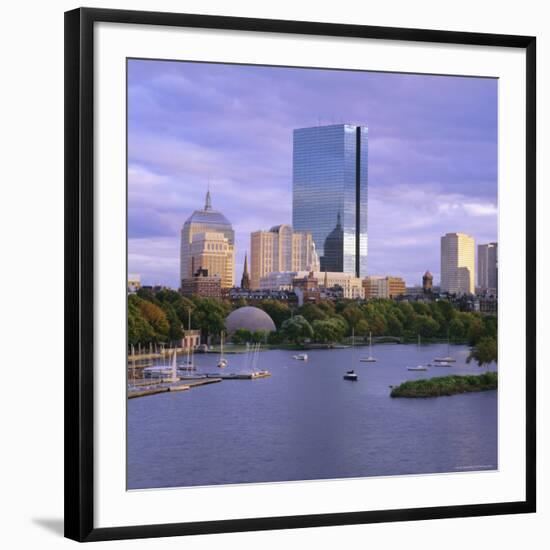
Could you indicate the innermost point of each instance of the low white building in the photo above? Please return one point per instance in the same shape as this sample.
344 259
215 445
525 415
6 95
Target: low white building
352 286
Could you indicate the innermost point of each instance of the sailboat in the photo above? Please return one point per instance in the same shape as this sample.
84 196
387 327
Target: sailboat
189 364
166 374
419 367
351 374
222 363
252 364
370 358
444 361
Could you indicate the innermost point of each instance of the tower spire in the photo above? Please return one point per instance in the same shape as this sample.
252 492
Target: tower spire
208 201
245 281
338 220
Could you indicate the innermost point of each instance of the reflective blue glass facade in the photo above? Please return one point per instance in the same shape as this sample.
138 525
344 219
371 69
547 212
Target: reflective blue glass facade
330 193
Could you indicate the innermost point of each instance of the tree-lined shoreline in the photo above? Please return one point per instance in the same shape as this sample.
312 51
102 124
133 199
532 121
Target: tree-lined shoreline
155 317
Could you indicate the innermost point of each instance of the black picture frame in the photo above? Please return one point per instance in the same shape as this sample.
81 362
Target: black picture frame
79 272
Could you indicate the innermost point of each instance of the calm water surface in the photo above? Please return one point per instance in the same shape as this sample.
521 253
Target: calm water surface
306 422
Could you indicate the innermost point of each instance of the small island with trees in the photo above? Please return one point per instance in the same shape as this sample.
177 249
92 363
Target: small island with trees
446 385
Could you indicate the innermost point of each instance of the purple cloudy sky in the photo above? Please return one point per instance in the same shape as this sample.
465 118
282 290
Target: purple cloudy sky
432 148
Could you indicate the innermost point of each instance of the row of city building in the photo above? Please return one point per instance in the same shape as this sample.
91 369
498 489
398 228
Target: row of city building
327 241
281 254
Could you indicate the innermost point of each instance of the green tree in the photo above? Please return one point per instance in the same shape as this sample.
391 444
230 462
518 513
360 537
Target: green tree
328 331
209 316
259 336
426 326
377 324
327 307
395 326
446 309
139 330
490 326
241 336
240 302
311 312
175 332
409 314
156 318
278 311
485 351
457 330
421 308
475 331
362 327
353 315
297 329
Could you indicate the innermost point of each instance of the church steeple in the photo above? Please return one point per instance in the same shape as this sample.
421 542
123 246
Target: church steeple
208 201
245 281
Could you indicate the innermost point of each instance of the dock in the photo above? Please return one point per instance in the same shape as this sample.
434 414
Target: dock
240 375
189 384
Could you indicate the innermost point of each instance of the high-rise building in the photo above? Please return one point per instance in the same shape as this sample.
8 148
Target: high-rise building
281 249
206 220
379 286
487 267
212 252
457 263
330 193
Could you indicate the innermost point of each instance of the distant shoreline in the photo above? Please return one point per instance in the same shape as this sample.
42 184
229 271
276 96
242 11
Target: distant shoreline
240 348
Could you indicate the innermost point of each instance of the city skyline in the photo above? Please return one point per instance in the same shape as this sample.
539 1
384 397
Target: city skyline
426 179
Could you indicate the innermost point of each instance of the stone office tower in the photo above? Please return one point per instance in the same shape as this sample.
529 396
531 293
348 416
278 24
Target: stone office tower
457 263
201 229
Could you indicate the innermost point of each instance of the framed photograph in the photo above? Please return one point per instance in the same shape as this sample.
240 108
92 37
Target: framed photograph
300 274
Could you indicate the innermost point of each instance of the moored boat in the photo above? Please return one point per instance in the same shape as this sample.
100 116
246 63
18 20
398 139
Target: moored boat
222 363
370 358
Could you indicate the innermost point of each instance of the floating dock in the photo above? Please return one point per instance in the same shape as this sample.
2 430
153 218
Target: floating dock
240 375
189 384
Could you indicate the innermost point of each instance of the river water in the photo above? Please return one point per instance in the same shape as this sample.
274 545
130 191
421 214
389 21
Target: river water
306 422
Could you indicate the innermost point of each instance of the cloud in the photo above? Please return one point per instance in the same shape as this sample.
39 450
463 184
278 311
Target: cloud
432 155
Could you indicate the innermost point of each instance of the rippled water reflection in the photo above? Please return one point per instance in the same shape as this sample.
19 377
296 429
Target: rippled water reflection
306 422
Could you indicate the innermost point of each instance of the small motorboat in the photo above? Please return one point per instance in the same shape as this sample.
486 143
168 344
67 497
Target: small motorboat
418 368
351 375
301 357
442 364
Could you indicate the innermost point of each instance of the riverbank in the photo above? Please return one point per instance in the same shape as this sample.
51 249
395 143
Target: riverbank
446 385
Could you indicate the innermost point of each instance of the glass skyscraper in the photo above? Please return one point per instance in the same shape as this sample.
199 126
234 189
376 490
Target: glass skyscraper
330 193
